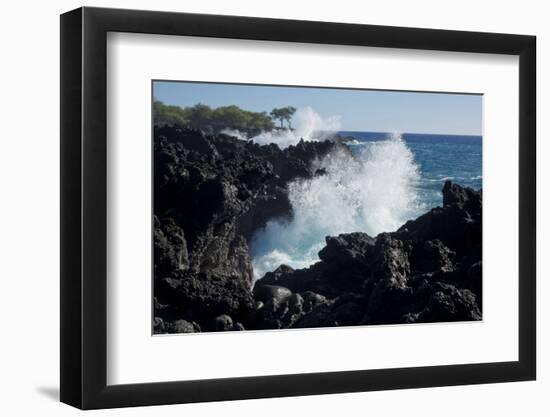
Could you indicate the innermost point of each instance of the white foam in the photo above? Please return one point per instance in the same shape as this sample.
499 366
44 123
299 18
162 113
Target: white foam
373 192
308 125
236 133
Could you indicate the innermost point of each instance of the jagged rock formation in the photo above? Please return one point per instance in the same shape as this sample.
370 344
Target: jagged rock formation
213 192
210 194
427 271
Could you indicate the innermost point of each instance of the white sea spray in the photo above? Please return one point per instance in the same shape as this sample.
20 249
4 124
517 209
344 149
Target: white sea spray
373 192
307 125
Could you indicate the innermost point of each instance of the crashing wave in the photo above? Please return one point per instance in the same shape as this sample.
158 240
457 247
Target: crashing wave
374 191
309 126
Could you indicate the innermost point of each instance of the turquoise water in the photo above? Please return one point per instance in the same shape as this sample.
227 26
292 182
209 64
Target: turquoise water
439 158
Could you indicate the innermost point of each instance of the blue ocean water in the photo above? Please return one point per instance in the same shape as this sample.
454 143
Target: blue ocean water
391 179
439 158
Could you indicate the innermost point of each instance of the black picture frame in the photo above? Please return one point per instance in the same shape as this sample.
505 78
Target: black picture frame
84 207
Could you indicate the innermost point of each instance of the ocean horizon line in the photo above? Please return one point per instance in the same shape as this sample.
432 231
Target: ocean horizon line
409 133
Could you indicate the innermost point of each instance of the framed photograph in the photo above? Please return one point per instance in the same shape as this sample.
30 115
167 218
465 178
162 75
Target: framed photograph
256 208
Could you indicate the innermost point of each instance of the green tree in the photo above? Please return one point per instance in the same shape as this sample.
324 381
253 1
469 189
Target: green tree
169 115
276 115
199 115
230 117
283 114
261 121
288 112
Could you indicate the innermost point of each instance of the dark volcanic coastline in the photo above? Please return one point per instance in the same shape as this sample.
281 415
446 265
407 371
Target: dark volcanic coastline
212 192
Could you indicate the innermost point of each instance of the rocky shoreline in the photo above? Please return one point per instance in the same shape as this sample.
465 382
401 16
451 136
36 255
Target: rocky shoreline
212 192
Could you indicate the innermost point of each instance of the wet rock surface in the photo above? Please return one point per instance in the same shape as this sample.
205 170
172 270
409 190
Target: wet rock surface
213 192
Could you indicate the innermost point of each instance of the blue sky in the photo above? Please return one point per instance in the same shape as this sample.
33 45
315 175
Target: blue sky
360 110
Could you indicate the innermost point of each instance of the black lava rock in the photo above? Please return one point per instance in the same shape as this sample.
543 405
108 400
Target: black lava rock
429 270
212 192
